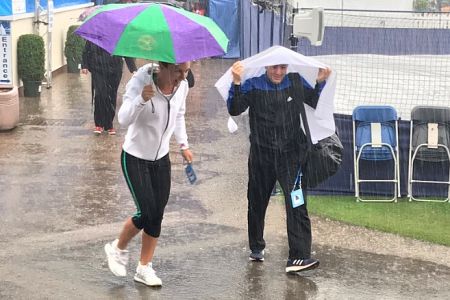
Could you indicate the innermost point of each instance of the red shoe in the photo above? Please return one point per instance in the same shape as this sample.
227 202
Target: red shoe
112 131
98 130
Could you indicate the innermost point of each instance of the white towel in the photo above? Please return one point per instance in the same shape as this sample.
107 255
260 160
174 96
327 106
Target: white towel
321 119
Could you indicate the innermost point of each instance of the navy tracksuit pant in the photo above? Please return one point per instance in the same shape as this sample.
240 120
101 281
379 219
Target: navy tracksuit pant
265 167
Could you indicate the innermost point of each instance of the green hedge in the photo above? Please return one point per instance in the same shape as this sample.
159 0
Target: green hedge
74 46
31 57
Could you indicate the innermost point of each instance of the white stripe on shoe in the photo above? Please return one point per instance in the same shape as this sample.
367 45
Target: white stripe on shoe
297 266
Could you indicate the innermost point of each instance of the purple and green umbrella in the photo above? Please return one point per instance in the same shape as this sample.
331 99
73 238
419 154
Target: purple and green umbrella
153 31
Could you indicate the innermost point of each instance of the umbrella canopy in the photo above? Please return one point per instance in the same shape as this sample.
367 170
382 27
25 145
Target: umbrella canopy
153 31
321 119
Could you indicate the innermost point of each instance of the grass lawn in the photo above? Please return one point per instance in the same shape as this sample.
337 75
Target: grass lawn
426 221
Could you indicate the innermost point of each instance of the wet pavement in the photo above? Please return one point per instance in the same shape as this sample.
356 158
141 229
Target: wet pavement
62 197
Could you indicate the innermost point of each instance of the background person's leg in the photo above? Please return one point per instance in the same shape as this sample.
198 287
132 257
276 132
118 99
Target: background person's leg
100 99
111 99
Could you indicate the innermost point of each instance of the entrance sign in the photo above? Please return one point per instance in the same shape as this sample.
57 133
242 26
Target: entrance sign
5 54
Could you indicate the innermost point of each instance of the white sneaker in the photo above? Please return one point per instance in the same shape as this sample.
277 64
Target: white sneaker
147 275
117 259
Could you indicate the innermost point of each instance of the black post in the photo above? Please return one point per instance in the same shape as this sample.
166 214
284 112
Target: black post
294 42
292 38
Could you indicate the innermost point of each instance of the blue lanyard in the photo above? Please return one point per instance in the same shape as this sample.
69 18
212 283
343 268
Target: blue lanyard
298 179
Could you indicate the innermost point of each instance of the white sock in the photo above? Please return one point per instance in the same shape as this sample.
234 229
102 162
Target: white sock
149 265
115 243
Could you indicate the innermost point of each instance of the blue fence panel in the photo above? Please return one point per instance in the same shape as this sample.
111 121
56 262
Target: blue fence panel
249 27
226 14
246 32
265 30
277 30
63 3
5 8
254 29
260 29
383 41
56 3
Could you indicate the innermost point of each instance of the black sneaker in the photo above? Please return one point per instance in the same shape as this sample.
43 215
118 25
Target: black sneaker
257 256
298 265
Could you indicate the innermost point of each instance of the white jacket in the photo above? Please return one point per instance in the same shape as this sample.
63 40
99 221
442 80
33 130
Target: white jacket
150 127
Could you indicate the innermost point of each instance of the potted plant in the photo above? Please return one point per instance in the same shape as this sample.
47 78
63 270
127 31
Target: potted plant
73 49
31 63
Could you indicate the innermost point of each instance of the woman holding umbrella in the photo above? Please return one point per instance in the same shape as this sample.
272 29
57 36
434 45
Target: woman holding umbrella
152 112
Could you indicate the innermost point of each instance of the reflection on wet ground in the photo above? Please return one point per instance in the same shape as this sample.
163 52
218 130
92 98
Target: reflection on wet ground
62 196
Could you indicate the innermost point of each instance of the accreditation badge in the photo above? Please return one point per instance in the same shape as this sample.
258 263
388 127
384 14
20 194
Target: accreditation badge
297 198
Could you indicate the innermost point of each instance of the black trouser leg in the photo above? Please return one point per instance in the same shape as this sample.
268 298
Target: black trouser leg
105 96
297 219
149 183
110 110
261 181
99 90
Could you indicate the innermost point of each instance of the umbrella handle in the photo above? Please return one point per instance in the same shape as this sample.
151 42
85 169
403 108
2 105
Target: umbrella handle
151 72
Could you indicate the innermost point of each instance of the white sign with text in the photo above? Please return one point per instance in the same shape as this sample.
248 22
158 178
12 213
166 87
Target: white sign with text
5 53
